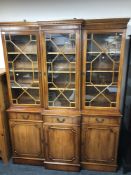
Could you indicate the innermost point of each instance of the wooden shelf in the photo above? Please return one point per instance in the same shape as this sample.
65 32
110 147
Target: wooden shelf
60 62
61 72
100 85
67 89
26 84
24 87
18 53
57 53
106 71
32 40
24 70
62 86
118 52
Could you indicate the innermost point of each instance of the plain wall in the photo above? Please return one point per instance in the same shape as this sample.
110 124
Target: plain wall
33 10
40 10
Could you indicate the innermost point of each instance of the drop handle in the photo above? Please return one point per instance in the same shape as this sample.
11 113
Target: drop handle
61 120
25 117
99 120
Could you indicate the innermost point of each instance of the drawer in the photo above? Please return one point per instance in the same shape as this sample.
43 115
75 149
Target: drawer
62 119
25 116
100 120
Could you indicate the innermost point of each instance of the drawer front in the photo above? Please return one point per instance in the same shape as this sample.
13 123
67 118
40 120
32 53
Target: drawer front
100 120
25 116
62 119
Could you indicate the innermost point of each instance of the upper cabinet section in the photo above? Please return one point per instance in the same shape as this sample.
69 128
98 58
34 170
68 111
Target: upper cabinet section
65 64
103 51
61 64
22 62
103 54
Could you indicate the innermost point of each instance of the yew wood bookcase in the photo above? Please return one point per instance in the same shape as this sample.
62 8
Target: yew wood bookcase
64 82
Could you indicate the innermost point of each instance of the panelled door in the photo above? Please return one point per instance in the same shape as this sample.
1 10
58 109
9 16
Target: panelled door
62 143
27 139
99 144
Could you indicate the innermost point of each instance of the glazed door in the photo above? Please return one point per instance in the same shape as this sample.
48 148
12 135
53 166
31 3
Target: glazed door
99 144
27 139
102 67
62 143
21 57
62 69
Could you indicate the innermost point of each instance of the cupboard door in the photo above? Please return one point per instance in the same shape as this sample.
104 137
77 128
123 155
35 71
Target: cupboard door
62 144
27 139
102 62
22 62
62 65
99 144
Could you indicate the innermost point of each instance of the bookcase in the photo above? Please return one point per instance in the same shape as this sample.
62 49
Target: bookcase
64 82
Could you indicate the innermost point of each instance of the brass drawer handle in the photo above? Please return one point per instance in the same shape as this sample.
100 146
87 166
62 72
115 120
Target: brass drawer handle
25 117
100 120
61 120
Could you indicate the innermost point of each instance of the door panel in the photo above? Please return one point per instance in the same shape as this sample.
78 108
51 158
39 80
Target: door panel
62 61
99 144
27 139
62 143
22 52
101 66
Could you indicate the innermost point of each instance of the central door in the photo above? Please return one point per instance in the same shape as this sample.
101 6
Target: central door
61 66
62 143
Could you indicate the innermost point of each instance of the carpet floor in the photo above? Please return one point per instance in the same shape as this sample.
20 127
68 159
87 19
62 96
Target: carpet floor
15 169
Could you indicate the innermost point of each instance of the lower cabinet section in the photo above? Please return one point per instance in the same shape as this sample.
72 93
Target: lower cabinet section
27 141
26 138
99 146
62 146
65 142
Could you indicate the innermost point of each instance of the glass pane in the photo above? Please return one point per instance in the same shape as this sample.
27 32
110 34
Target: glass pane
102 69
103 62
23 68
60 43
61 63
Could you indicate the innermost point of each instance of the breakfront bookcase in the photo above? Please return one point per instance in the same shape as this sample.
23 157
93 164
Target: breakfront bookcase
64 82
